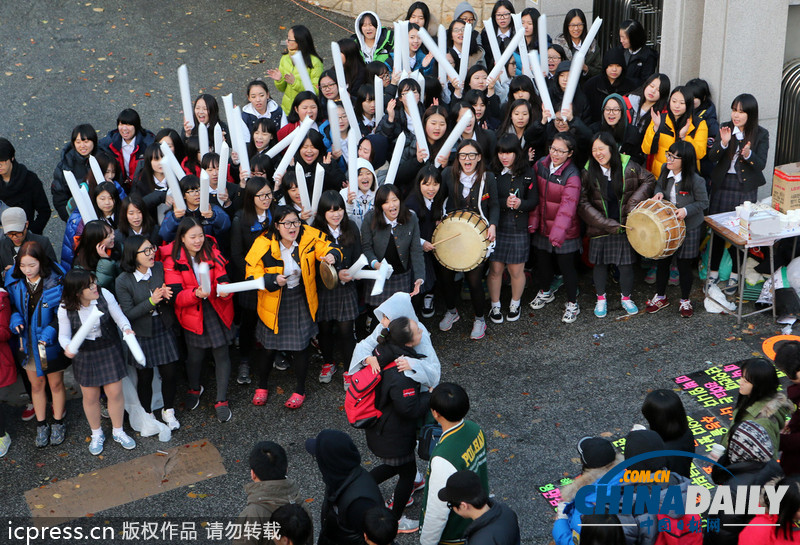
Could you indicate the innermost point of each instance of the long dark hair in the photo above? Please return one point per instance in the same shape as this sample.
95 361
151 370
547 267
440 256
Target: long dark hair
762 375
790 504
615 165
130 252
571 14
206 252
435 147
32 249
665 413
332 200
423 7
663 90
381 196
508 143
510 7
213 111
251 188
147 220
749 105
111 189
429 172
192 162
147 174
305 44
94 233
75 281
177 142
508 125
687 116
353 63
618 130
104 159
688 157
534 14
473 44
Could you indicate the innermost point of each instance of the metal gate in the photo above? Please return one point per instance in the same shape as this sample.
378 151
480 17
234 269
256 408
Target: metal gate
613 12
787 148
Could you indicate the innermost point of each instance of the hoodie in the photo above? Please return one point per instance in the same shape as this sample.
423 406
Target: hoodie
363 202
427 370
263 499
462 8
497 526
384 42
597 88
627 136
79 166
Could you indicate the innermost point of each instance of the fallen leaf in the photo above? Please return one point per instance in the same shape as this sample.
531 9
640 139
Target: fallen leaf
99 10
606 434
279 390
497 433
38 506
57 496
39 464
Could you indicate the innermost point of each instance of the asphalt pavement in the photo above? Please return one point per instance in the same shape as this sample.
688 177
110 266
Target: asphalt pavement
536 385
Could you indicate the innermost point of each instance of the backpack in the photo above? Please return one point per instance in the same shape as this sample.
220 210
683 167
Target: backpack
360 399
682 531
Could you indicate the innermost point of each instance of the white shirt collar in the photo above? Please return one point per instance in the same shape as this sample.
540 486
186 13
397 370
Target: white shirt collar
139 276
393 224
677 177
737 133
606 171
335 233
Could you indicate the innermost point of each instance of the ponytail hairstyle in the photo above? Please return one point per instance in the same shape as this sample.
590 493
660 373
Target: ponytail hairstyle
398 333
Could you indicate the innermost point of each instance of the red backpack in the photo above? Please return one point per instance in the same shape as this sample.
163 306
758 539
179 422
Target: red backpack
359 401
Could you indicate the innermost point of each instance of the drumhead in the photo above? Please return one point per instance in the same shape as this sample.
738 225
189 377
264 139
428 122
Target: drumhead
646 233
467 250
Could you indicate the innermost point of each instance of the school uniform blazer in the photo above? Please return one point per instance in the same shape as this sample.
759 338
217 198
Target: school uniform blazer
488 200
406 239
525 187
751 169
134 300
694 201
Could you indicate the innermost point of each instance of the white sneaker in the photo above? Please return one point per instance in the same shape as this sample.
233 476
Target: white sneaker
478 329
168 416
541 299
427 306
96 445
448 320
571 313
407 526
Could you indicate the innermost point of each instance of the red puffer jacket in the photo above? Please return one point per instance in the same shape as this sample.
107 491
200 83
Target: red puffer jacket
179 275
556 216
8 369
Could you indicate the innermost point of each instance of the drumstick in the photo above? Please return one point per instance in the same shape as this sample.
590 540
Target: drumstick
435 244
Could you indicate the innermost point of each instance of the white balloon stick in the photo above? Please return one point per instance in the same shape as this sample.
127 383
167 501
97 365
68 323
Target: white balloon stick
455 134
319 180
91 321
541 84
99 177
442 39
488 26
378 84
202 137
465 45
397 155
590 36
500 64
230 115
542 29
348 108
416 121
87 205
333 124
523 46
437 53
283 144
294 145
336 53
417 75
204 277
300 65
173 185
302 186
575 71
135 348
170 162
244 158
224 157
205 189
186 95
245 285
352 158
87 212
398 46
360 263
218 139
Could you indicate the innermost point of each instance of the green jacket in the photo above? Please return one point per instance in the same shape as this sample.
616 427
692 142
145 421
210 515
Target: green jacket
107 272
290 91
770 413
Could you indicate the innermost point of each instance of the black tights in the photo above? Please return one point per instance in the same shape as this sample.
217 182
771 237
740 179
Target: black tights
263 366
222 362
685 267
3 419
717 247
600 275
247 332
404 486
566 262
144 385
333 333
474 280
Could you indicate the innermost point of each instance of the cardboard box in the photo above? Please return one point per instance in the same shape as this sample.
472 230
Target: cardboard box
786 187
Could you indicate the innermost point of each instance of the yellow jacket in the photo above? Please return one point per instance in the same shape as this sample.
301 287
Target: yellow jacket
264 259
656 144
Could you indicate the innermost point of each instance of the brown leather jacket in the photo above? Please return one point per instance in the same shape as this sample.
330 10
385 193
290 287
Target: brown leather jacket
638 185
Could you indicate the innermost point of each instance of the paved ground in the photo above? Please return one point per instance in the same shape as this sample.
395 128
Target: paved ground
536 386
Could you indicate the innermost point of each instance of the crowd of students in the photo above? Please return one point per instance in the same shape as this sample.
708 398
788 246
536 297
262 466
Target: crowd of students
550 185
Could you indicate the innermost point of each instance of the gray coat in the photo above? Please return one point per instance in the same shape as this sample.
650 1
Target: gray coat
8 255
695 201
406 238
134 300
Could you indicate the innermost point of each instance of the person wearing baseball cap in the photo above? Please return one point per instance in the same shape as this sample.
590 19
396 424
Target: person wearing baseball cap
493 522
15 233
22 187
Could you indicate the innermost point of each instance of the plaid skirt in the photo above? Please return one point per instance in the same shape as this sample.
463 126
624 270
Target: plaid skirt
611 250
295 326
513 246
161 348
215 333
571 245
396 282
691 244
400 460
729 195
339 304
99 363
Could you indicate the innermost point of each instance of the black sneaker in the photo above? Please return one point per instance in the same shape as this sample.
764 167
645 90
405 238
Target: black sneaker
223 411
495 315
280 362
193 398
513 313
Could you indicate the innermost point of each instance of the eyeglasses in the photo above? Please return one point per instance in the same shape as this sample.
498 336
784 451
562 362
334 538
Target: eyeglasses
458 30
465 20
290 40
290 224
469 156
575 25
612 110
192 191
503 15
327 86
92 284
673 157
150 250
15 234
558 151
264 196
553 58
